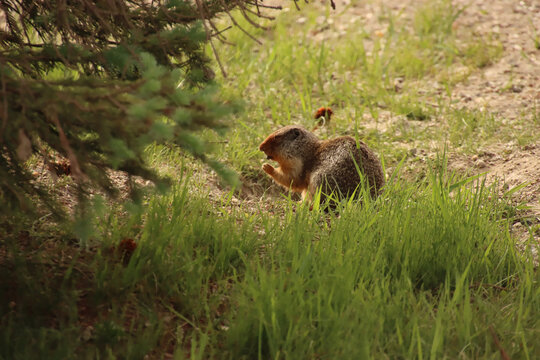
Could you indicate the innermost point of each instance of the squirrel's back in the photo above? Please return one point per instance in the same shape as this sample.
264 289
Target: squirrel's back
341 165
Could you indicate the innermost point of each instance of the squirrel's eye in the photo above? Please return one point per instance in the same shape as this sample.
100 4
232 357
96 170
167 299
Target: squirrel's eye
296 133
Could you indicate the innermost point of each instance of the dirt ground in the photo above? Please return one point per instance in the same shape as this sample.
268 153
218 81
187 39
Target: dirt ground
510 89
515 24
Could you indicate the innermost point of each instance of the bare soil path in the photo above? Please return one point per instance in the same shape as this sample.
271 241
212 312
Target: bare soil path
510 89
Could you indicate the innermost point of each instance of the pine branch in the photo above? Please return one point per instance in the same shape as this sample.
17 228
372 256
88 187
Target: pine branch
122 62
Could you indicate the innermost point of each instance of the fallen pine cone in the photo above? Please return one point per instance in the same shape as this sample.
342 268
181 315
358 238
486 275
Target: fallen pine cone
60 168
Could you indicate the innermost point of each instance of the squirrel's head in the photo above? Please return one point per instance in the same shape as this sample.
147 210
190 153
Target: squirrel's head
289 142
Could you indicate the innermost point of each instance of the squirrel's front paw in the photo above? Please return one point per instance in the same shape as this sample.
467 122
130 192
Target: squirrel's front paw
267 168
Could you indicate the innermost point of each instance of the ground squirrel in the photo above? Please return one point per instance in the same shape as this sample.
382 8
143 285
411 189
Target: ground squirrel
307 163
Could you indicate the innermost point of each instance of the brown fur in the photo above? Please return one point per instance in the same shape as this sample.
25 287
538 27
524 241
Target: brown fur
307 163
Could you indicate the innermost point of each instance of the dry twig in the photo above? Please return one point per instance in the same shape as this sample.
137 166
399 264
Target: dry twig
504 355
209 38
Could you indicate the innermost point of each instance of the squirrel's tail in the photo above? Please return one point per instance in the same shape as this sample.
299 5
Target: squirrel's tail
324 111
323 114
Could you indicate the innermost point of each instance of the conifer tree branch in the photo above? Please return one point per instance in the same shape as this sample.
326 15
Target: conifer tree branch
92 82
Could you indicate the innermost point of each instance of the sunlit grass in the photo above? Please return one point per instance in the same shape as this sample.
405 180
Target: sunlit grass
407 69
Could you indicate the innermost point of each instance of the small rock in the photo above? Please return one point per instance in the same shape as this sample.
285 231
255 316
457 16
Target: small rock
488 153
516 88
481 164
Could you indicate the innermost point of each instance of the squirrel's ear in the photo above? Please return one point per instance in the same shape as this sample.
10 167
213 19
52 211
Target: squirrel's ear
296 133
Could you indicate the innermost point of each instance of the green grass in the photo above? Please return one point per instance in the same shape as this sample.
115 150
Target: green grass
427 270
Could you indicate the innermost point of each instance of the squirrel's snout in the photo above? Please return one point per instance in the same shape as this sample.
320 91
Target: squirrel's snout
265 148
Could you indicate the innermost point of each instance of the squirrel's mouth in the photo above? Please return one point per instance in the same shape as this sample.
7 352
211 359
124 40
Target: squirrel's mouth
267 153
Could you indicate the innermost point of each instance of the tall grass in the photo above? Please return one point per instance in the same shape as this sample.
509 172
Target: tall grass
414 274
427 270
